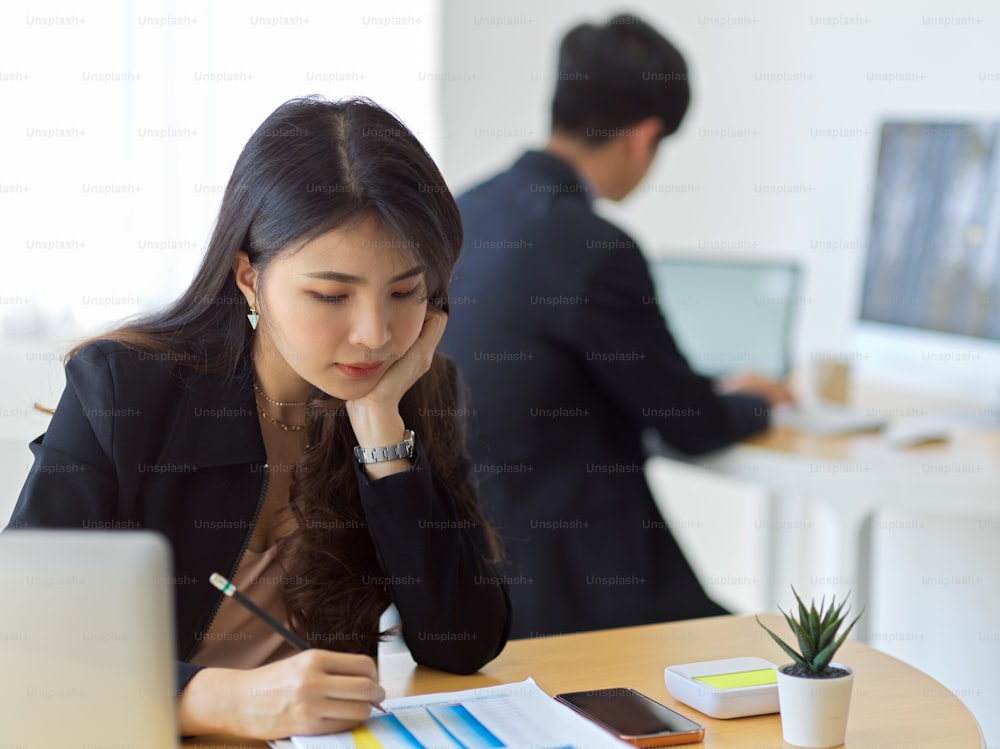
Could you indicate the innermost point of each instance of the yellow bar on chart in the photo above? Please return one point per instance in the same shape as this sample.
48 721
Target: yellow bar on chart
364 739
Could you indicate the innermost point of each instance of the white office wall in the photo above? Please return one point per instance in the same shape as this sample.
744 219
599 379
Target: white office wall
123 121
777 154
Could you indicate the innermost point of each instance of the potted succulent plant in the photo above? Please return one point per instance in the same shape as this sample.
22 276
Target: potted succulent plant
814 693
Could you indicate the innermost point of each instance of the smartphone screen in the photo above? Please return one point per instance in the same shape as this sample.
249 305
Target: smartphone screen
634 717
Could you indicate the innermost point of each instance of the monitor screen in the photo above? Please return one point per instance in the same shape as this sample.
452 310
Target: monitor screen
934 246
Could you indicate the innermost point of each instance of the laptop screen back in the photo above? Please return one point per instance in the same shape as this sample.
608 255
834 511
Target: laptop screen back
86 640
729 316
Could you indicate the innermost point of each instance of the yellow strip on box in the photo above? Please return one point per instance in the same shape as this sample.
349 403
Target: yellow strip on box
740 679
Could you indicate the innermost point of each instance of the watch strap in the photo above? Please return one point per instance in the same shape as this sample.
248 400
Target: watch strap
399 451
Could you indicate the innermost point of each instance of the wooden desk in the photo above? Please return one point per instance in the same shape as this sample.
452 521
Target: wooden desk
893 705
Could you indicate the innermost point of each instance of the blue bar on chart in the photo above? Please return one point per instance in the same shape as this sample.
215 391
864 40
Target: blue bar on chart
384 731
464 728
451 726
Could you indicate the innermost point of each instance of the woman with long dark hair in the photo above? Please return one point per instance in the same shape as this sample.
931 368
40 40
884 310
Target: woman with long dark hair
287 422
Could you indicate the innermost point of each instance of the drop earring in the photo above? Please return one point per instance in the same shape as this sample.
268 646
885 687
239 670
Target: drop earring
253 317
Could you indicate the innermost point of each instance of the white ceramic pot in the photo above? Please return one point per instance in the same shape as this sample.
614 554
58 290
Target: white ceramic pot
814 711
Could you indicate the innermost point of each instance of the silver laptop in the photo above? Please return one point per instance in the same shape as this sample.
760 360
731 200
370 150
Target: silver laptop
86 640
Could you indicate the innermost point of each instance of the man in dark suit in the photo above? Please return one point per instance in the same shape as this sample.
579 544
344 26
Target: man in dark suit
568 358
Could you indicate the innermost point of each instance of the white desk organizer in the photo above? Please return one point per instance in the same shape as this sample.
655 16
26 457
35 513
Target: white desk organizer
728 688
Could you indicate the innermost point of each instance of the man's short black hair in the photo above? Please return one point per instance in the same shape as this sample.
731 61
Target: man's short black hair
614 76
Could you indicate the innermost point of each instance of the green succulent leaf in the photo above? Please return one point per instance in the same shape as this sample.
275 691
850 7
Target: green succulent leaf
824 657
803 612
833 613
829 633
806 652
814 627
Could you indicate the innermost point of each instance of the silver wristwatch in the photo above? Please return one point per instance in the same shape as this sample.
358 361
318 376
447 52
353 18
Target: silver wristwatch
398 451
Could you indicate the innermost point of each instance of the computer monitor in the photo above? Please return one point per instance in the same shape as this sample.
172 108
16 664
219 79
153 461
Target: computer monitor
930 304
727 315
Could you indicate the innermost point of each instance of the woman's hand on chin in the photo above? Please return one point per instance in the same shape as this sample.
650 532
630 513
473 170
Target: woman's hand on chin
405 371
375 416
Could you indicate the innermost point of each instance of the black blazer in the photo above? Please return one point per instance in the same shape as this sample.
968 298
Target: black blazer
139 442
568 359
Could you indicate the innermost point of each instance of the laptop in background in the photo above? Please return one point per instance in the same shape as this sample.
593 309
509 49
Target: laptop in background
86 640
731 316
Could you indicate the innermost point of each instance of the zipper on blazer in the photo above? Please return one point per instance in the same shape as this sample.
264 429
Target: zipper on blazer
239 557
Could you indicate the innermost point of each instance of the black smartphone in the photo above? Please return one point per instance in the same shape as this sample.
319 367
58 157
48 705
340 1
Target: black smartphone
634 717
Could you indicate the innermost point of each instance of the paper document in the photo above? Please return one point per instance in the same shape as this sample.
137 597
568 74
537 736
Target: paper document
517 716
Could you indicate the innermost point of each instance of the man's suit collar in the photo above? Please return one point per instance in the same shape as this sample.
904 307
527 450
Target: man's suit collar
552 170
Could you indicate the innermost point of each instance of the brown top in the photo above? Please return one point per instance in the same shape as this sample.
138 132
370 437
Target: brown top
238 639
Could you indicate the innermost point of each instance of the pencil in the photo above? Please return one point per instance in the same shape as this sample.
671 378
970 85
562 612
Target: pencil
230 590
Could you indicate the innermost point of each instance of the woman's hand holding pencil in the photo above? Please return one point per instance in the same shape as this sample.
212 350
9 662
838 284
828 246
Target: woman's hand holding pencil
230 590
313 692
